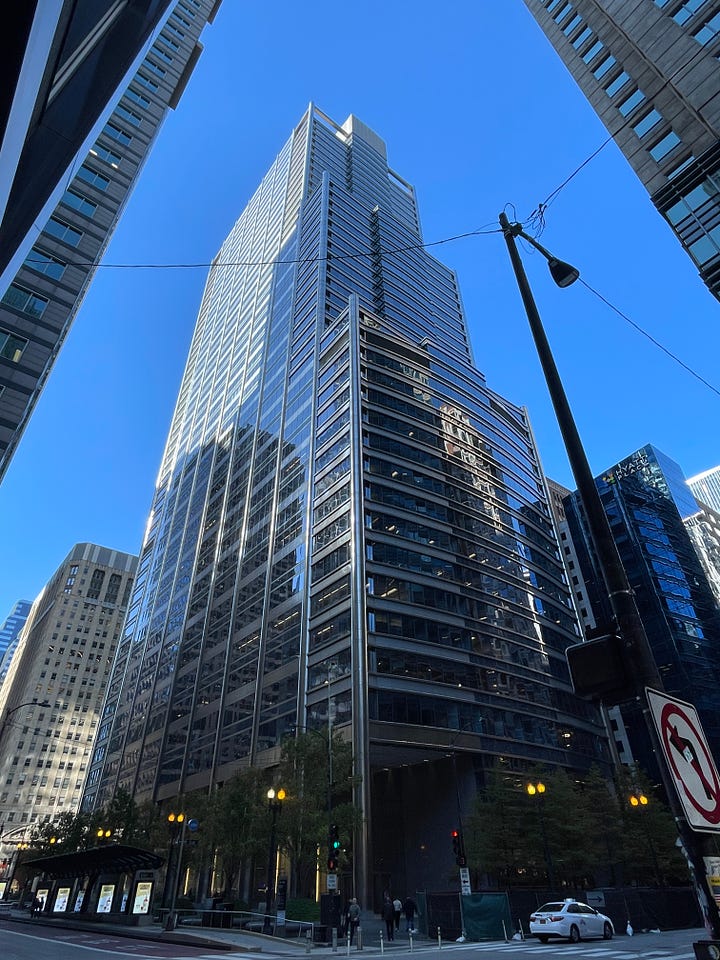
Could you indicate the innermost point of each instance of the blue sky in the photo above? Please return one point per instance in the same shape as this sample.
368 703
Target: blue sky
480 115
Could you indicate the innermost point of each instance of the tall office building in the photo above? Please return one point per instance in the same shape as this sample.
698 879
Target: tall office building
88 87
52 697
706 487
650 70
347 520
10 631
650 507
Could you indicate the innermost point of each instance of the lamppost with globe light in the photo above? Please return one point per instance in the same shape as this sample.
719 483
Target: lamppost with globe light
538 790
638 801
275 800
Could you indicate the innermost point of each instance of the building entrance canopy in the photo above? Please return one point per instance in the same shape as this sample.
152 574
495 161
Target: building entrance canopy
114 858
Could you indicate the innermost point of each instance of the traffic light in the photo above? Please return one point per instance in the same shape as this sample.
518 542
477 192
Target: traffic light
458 848
333 847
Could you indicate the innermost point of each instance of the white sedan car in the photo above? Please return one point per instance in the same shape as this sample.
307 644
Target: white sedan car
571 920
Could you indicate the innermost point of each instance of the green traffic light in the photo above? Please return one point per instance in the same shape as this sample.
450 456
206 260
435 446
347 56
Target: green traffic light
336 844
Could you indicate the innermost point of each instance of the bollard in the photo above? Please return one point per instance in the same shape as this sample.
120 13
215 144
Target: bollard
359 933
410 934
348 943
308 941
382 944
505 931
334 939
439 940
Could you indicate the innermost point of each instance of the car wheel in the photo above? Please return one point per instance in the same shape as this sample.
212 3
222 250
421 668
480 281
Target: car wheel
607 932
574 934
543 939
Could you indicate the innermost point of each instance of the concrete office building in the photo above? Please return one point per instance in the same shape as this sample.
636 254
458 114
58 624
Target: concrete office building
51 700
650 70
347 519
89 85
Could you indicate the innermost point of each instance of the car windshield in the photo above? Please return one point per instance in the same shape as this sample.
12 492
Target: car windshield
550 908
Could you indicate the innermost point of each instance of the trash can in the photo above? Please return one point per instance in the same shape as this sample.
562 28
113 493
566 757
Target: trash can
320 933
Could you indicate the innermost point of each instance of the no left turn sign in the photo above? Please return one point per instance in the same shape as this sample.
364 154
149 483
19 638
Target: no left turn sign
689 759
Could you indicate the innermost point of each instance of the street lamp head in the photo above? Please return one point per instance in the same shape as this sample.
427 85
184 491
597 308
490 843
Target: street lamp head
281 794
271 793
531 789
564 274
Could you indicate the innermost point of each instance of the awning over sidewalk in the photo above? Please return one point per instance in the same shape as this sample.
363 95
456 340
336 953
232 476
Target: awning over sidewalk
112 858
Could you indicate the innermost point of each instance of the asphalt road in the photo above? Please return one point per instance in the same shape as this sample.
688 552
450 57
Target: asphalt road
28 942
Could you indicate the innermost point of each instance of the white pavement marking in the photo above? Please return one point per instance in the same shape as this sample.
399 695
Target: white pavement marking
79 946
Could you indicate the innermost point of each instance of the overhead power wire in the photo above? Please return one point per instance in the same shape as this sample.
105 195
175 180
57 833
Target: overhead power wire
649 336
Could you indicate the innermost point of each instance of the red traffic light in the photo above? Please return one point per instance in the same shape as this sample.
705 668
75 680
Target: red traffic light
454 834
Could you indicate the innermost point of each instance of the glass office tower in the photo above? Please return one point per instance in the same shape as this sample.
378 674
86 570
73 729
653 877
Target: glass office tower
652 513
347 520
649 69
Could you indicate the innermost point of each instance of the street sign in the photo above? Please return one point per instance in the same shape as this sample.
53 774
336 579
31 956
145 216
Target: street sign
332 881
689 759
465 881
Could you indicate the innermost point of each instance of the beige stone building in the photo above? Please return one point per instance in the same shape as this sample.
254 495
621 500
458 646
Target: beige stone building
52 697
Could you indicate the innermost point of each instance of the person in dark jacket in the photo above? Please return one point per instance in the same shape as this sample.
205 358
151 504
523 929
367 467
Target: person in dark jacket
388 915
410 909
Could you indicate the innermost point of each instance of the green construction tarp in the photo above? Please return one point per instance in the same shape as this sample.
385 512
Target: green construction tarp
486 916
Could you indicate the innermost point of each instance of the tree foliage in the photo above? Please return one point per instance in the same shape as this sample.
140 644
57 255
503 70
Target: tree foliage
579 832
318 782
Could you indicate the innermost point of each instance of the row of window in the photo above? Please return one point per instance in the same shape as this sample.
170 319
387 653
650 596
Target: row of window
634 97
707 31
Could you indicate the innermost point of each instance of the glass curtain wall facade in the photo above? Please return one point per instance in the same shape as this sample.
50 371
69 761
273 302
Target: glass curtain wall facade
649 505
347 520
95 138
649 68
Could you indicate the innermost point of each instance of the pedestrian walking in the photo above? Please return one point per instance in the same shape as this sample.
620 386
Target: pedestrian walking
353 914
397 910
388 915
410 909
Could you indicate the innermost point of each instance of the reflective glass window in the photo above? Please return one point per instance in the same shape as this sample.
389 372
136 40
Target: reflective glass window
582 37
664 146
629 104
38 260
11 346
602 68
593 51
647 123
63 231
619 82
24 300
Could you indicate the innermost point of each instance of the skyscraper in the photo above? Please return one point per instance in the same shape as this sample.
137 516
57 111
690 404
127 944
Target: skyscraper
10 631
650 510
650 71
347 522
52 696
93 86
706 487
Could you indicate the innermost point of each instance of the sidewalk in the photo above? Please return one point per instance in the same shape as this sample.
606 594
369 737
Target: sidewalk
235 941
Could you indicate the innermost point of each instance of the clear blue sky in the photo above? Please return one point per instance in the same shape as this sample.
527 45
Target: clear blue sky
477 112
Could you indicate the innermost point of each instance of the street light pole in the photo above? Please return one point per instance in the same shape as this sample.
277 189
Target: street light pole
636 646
538 790
274 803
13 710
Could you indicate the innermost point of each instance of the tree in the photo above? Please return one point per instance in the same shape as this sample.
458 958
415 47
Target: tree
579 829
233 825
317 795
